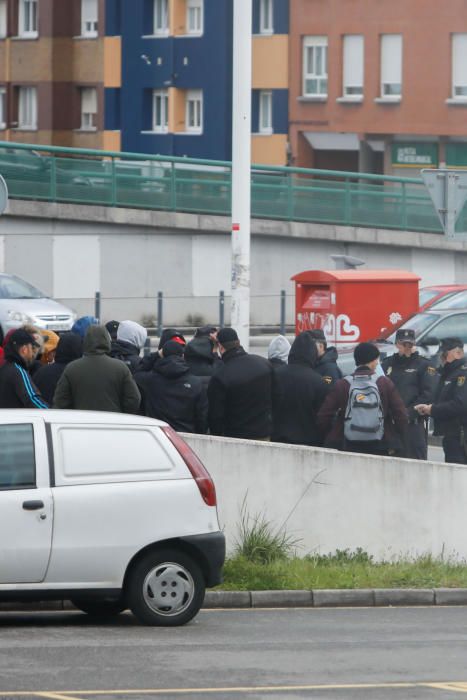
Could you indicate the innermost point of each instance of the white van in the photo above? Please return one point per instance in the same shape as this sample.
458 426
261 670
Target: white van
108 510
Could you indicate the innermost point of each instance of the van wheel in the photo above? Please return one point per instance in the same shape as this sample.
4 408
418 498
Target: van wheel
165 588
99 608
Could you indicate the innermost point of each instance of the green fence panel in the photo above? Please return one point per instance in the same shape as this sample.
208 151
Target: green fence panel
192 185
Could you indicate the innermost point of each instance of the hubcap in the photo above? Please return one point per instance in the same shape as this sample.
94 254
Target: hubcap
168 589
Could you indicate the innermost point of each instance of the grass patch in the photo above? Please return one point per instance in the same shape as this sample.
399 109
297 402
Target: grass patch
344 569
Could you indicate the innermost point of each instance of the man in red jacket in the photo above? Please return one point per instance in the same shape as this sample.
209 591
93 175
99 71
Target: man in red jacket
331 417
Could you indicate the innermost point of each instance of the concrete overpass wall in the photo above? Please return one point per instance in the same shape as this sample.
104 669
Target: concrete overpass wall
332 500
72 251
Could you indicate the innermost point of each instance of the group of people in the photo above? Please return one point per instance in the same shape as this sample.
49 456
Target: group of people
211 384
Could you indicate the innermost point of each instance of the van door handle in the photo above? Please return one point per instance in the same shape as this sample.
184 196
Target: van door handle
32 505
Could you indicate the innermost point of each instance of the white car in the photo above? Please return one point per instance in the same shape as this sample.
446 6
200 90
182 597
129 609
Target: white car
108 510
22 303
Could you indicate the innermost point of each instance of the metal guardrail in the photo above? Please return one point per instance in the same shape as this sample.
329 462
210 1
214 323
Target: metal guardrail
109 178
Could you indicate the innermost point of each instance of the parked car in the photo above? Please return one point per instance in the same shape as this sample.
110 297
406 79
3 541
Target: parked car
432 296
429 326
108 510
21 302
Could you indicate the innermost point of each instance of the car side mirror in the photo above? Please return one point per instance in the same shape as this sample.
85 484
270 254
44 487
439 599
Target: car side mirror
430 341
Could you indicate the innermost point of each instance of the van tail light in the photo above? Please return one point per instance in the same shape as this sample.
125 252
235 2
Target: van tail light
198 471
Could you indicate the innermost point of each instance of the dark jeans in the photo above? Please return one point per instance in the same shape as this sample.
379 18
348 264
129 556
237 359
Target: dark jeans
454 450
417 441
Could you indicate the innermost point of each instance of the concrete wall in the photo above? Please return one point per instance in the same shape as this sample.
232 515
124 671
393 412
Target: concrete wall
129 255
333 500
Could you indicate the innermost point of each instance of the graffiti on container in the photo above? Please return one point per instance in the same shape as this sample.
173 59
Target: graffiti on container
337 329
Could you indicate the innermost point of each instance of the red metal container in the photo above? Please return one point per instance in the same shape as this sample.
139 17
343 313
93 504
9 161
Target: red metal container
352 306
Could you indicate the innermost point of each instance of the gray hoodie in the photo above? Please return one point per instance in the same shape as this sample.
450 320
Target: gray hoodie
278 350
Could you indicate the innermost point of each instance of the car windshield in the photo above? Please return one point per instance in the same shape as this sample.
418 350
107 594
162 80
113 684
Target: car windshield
426 295
455 301
418 323
12 287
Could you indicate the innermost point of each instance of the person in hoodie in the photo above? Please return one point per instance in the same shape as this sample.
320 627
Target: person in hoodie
97 382
131 338
147 363
326 363
201 353
82 324
278 351
172 394
69 348
298 393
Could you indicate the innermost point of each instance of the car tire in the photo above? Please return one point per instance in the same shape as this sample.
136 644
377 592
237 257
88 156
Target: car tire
99 608
165 588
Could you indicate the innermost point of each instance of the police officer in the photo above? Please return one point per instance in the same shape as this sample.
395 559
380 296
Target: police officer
449 408
326 364
415 379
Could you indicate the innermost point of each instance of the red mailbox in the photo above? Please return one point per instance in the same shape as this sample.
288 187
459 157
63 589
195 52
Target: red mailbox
352 306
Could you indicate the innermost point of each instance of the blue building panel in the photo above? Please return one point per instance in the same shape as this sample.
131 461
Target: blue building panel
113 13
112 120
280 16
280 111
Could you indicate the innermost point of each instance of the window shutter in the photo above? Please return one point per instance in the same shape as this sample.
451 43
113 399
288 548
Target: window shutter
89 101
391 59
459 61
353 61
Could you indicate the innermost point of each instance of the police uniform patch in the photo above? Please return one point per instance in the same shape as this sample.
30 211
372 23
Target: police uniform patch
431 371
389 370
328 380
460 381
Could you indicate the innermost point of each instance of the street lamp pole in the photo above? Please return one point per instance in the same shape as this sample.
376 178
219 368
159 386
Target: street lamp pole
241 170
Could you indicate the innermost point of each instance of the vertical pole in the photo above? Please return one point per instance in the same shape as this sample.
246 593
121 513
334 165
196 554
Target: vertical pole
241 170
97 306
160 313
282 325
113 183
53 178
404 206
451 213
221 308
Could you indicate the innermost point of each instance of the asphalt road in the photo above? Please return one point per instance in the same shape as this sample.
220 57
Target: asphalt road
395 653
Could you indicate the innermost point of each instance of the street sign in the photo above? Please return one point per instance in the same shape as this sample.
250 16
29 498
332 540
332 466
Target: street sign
3 195
448 192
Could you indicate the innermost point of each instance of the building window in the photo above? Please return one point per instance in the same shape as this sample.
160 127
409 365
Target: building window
265 112
27 18
27 108
160 111
161 17
315 66
3 19
89 18
266 17
194 111
2 108
459 66
194 16
391 66
353 65
88 109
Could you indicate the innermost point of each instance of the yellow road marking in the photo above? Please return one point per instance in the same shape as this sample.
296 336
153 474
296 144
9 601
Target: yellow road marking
453 686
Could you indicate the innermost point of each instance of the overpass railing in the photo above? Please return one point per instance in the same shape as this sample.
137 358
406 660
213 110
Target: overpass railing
113 179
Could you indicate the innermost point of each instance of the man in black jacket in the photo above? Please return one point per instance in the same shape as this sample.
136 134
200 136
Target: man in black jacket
240 392
201 354
69 348
449 408
298 392
326 361
172 394
131 339
17 390
415 379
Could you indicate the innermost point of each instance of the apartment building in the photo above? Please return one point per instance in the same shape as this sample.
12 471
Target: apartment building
147 76
55 64
378 86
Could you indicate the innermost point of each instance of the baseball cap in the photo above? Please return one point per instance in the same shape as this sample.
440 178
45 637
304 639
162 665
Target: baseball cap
21 337
447 344
405 335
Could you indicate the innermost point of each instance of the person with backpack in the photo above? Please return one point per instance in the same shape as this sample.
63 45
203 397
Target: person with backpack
364 412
